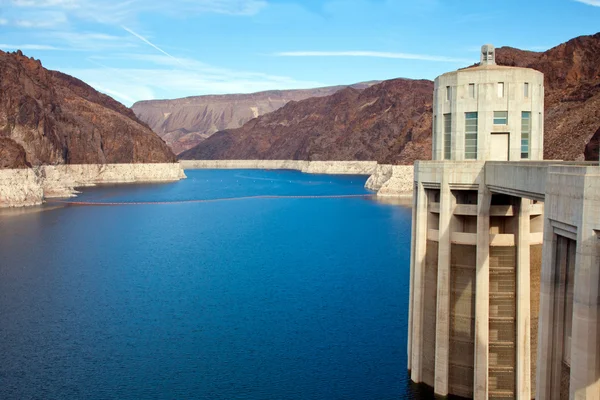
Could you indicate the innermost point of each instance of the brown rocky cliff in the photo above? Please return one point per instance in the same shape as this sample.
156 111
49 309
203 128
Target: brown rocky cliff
388 122
572 93
57 119
185 122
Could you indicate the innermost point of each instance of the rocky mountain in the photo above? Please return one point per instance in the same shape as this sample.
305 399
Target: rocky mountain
183 123
47 117
572 94
391 122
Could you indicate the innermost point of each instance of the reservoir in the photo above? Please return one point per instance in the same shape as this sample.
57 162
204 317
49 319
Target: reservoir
256 298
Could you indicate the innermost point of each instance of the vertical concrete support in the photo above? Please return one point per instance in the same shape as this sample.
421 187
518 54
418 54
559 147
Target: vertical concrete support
523 342
585 338
546 337
412 274
442 335
482 292
418 281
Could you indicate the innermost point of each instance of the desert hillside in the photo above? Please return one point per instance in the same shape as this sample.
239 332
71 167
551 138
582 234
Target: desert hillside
47 117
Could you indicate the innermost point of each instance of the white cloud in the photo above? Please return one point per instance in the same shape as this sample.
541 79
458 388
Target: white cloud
3 21
119 11
133 84
40 20
377 54
89 41
595 3
27 47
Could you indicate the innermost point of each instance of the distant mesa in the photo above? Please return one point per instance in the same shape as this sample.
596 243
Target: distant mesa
185 122
50 118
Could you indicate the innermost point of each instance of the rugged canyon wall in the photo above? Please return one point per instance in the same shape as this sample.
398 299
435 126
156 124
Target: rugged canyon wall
47 117
30 186
183 123
391 121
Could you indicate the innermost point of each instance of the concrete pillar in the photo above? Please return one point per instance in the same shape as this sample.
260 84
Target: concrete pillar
412 276
523 342
418 280
549 354
585 343
442 336
482 292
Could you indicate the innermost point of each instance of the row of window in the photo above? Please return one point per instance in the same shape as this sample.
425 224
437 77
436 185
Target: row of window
500 118
500 87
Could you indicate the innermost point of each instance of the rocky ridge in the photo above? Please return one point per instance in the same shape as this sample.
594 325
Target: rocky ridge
389 122
47 117
185 122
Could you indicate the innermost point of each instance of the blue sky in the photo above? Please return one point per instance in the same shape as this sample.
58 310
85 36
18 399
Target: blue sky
145 49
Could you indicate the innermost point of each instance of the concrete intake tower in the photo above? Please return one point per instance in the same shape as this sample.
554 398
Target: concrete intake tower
505 252
475 329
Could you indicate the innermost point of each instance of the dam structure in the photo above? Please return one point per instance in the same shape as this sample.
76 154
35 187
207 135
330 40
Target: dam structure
505 247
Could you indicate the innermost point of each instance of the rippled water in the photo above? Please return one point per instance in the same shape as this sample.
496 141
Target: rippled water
252 299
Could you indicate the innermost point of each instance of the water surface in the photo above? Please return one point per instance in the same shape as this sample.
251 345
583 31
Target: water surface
250 299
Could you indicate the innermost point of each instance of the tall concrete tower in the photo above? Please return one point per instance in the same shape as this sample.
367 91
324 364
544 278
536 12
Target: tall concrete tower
489 112
476 253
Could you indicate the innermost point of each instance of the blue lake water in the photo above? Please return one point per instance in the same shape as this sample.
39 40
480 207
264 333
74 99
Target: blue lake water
249 299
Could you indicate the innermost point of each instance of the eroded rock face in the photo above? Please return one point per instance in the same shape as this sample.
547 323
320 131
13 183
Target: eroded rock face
183 123
389 122
572 93
53 118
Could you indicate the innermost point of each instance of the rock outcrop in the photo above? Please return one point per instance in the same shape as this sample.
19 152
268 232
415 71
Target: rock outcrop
183 123
392 180
391 122
47 117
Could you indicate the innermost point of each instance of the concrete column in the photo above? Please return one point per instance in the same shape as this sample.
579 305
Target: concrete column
418 280
523 367
412 275
442 336
549 354
482 294
585 341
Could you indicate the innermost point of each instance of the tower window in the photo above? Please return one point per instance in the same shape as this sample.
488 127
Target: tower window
525 133
500 89
448 93
526 89
447 136
471 136
500 117
472 90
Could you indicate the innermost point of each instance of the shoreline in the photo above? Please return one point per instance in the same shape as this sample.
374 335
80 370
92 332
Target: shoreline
394 181
31 186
